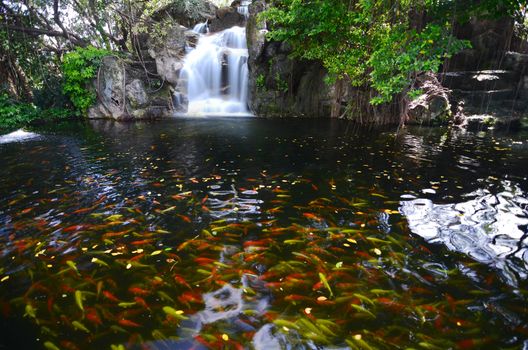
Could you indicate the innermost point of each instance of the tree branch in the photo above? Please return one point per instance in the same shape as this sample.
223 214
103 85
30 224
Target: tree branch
48 32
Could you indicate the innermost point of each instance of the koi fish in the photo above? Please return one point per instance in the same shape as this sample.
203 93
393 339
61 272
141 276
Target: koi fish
110 296
128 323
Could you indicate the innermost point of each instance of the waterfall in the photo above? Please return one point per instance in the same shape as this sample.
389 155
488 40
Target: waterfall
201 28
243 9
214 77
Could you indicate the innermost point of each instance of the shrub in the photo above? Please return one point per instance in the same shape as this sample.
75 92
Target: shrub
14 114
80 68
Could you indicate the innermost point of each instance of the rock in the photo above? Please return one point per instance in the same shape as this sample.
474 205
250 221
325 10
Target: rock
314 97
280 86
110 86
490 121
168 50
479 80
98 111
517 62
489 38
432 106
135 92
226 17
122 93
191 38
179 12
256 33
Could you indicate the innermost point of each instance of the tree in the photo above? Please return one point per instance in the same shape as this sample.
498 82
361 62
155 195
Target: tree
380 45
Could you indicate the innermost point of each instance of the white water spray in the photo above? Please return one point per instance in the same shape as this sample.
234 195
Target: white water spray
243 9
214 77
201 28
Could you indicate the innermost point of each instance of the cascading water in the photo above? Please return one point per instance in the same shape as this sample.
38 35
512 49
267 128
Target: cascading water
201 28
214 77
243 9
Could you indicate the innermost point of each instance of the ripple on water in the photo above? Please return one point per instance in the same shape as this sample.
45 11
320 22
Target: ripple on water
232 203
490 228
225 304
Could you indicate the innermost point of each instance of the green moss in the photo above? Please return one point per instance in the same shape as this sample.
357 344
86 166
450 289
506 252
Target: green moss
260 82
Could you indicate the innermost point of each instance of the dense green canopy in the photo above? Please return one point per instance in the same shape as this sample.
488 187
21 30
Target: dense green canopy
381 44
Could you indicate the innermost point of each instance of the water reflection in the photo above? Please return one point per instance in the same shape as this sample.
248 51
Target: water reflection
224 203
238 224
239 308
490 228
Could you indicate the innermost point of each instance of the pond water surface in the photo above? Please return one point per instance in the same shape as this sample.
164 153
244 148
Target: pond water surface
262 234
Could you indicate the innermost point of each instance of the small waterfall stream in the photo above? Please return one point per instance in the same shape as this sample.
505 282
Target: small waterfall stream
214 77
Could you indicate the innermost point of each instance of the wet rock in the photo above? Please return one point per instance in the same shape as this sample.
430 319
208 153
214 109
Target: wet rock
516 61
191 38
432 106
496 118
226 17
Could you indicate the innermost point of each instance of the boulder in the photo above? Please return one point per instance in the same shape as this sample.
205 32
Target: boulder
432 106
226 17
517 62
110 84
167 48
136 94
122 92
477 122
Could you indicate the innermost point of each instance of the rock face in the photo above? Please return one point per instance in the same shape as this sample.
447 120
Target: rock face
489 40
495 98
488 83
180 12
284 87
168 50
280 86
226 17
122 94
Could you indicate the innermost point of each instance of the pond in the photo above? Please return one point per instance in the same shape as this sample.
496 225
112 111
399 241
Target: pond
262 234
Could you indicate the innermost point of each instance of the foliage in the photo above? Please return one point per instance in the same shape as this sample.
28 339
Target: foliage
260 81
280 83
23 65
15 114
371 43
79 69
401 54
